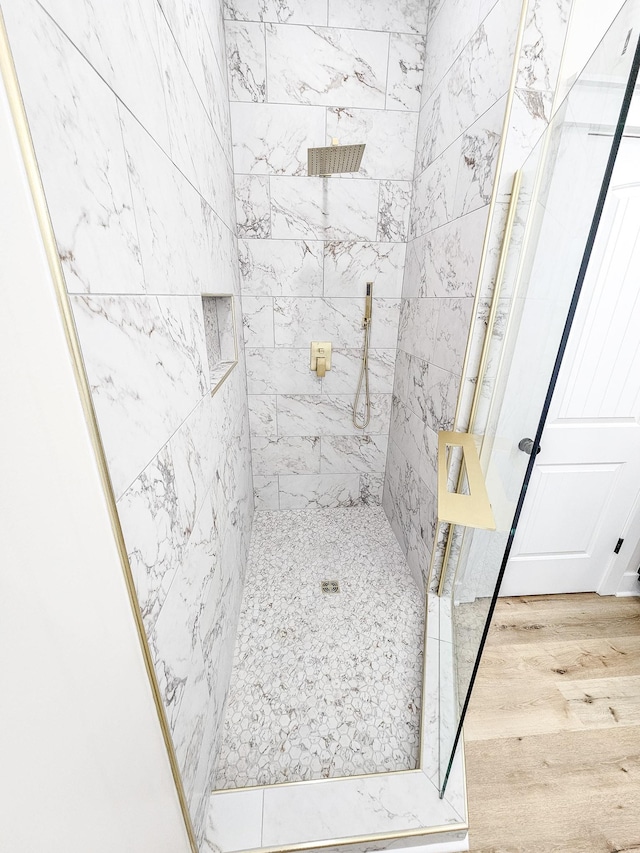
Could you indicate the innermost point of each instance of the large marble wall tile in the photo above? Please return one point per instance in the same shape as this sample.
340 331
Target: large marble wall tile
441 397
393 211
83 169
141 393
262 414
189 731
280 11
418 327
253 206
353 453
286 455
282 267
222 249
193 461
173 241
280 371
543 43
434 192
411 383
451 31
298 321
454 317
323 208
198 32
404 81
154 532
272 139
120 40
319 491
265 491
345 371
257 321
349 265
479 155
194 146
445 261
329 414
326 66
407 430
403 16
390 138
246 59
175 635
371 486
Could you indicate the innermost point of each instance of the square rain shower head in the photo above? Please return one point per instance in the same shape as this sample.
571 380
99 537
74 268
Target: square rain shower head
334 159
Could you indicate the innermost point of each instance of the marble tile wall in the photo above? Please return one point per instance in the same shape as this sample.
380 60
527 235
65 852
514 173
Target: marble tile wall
468 63
128 108
470 57
302 72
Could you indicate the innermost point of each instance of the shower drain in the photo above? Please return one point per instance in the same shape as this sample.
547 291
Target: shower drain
330 586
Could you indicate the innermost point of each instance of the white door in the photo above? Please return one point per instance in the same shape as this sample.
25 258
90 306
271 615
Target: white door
586 481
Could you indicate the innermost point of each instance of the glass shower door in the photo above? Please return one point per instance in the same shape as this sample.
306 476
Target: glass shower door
563 188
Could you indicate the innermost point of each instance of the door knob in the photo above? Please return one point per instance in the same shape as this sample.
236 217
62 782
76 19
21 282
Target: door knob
526 445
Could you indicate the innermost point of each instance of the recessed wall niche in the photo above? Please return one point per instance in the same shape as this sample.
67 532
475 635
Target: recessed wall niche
220 337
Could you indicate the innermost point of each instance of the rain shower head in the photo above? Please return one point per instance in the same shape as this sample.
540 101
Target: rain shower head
334 159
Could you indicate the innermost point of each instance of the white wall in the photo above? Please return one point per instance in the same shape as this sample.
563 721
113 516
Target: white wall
83 765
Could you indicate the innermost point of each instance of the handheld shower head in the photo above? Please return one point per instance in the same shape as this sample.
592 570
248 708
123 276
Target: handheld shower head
368 302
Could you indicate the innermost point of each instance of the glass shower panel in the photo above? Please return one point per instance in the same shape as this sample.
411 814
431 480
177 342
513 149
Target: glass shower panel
563 186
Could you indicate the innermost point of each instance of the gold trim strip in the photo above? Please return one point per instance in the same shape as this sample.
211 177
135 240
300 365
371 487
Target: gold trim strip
445 829
16 104
474 509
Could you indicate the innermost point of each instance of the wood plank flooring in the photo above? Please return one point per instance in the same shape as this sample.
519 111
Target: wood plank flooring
553 730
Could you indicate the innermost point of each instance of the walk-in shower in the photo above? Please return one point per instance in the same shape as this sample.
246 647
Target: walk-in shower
322 720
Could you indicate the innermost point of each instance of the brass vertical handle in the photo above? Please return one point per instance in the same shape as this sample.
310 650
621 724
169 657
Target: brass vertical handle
321 366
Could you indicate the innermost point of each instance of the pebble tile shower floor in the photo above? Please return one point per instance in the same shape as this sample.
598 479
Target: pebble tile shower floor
324 685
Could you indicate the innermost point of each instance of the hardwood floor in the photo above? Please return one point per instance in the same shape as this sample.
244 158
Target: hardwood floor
553 730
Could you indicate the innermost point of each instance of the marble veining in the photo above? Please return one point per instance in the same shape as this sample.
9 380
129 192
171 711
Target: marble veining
290 718
403 16
75 126
323 208
404 81
394 209
272 139
140 392
384 131
348 265
281 11
326 65
281 267
246 57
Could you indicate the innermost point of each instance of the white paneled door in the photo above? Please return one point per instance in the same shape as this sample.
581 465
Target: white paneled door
585 488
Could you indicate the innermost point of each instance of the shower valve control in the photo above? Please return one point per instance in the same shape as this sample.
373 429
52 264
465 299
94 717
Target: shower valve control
321 357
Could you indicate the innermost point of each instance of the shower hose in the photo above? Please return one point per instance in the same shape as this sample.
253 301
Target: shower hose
364 378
